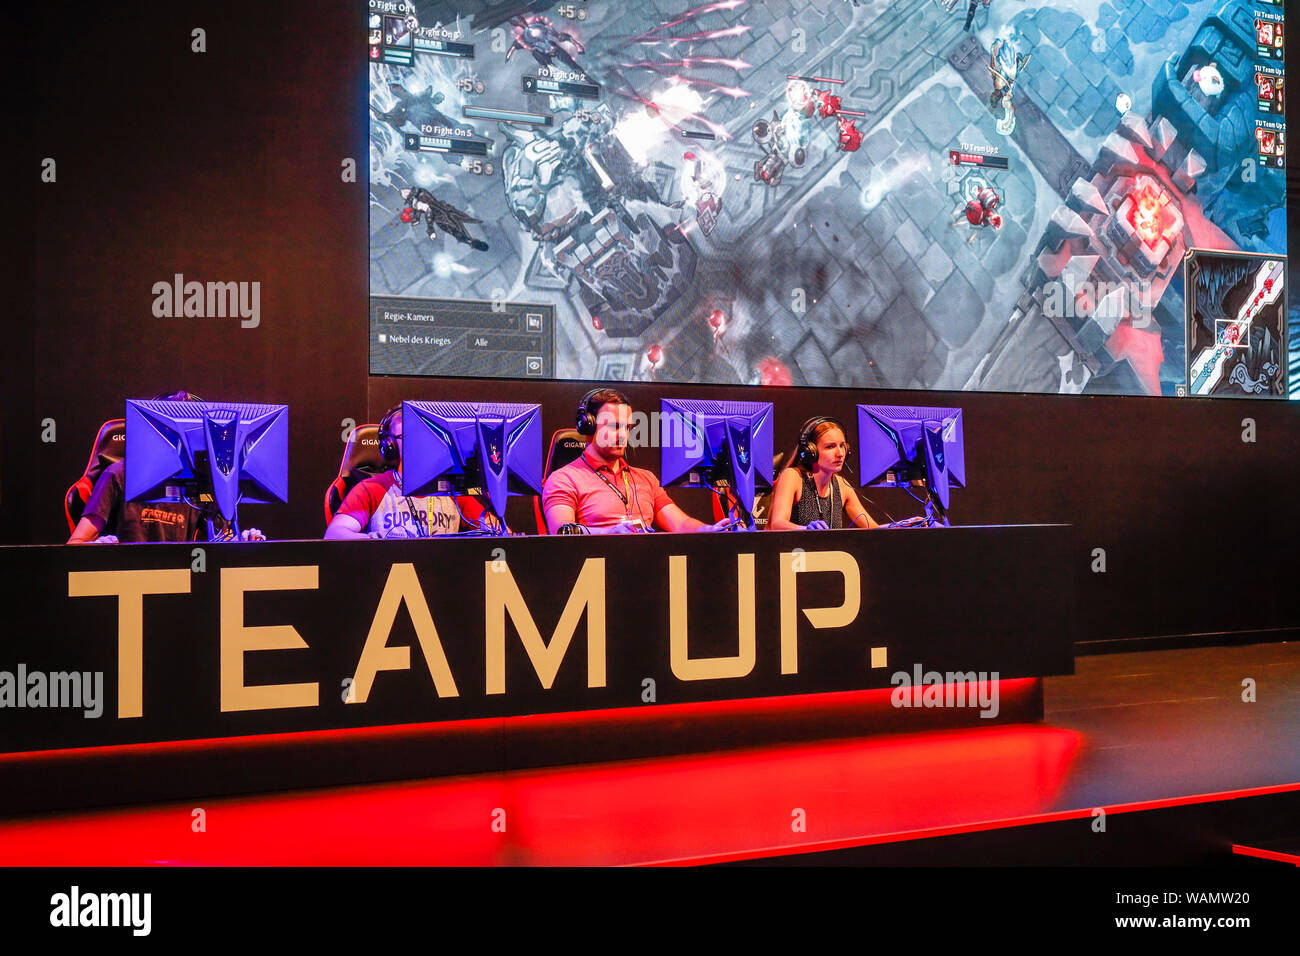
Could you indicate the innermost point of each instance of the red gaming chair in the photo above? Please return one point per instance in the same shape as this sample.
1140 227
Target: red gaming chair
109 447
566 446
361 459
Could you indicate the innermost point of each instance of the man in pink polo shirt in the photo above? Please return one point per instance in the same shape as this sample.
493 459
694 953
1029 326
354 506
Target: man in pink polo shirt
600 493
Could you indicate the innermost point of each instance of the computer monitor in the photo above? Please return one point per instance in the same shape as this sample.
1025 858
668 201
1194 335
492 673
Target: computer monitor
718 445
899 444
461 448
211 455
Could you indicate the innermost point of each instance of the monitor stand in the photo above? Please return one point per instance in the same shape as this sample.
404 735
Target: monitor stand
730 504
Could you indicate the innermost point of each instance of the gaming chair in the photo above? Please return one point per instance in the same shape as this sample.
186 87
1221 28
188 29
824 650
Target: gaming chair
566 446
361 460
109 447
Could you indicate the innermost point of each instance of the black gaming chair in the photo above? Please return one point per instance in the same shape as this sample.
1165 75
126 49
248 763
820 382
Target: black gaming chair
109 447
361 460
566 446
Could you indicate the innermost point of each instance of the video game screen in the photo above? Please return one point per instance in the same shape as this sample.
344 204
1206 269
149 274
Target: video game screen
1000 195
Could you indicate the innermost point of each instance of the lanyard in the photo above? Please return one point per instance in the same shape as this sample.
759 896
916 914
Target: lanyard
625 498
830 500
421 520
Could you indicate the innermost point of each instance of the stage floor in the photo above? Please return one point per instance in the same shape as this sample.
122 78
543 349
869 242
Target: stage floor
1125 729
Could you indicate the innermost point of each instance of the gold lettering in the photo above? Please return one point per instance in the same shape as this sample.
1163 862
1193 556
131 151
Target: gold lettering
129 587
709 668
502 595
841 616
402 587
238 639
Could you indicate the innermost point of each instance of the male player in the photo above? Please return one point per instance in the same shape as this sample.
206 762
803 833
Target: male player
599 492
109 518
378 507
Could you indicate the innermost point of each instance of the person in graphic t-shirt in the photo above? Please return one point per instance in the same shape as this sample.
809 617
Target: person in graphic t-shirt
378 508
109 518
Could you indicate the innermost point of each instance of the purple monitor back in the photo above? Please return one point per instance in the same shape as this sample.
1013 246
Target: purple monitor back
894 448
235 452
452 447
703 436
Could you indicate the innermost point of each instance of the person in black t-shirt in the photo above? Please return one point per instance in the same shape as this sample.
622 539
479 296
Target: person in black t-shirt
109 511
109 518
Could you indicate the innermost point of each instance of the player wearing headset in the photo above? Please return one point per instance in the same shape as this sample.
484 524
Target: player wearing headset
378 507
599 492
809 492
109 518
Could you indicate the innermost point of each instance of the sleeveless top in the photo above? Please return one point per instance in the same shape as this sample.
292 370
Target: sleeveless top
810 508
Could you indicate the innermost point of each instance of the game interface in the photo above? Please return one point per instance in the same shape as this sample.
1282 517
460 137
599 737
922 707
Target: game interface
1001 195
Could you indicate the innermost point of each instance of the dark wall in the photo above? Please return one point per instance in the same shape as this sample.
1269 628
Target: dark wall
226 166
222 166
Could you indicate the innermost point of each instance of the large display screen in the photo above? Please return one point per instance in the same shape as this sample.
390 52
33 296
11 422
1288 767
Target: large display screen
998 195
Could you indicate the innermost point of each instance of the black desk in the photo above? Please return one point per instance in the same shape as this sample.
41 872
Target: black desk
232 640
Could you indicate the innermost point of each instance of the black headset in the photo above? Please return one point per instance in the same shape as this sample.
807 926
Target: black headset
387 443
806 455
586 421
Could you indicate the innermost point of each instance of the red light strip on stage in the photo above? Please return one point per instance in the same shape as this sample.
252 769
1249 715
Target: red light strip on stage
617 812
878 698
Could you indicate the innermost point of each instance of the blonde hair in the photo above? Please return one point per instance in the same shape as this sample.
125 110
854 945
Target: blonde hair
792 459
